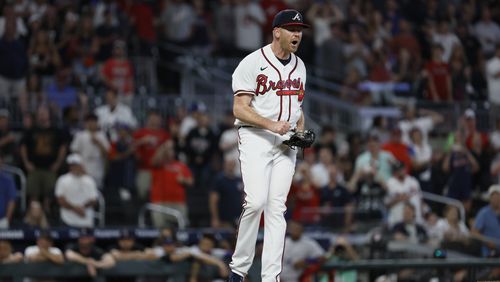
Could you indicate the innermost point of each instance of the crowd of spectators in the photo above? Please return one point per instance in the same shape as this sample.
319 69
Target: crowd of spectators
54 53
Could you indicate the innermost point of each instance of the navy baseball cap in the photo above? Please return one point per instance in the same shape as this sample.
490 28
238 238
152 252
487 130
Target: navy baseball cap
289 17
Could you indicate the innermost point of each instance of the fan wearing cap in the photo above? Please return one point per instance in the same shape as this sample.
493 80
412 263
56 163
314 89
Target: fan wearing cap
85 252
76 193
487 222
402 188
268 87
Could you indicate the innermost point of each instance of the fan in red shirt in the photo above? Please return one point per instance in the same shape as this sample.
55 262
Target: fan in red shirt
117 71
438 77
148 140
170 178
304 197
398 149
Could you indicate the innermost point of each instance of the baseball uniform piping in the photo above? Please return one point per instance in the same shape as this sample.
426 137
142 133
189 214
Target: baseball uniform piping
290 97
239 92
279 74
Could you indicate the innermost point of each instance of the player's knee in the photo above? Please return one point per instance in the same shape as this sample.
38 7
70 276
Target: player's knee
255 206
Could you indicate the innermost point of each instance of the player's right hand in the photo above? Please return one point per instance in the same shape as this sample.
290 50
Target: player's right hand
280 127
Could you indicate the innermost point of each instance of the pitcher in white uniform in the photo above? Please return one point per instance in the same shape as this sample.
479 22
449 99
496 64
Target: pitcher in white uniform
268 87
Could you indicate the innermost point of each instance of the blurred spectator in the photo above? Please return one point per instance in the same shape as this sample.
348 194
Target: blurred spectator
84 47
201 145
437 73
43 149
300 252
114 112
334 195
177 18
371 171
356 53
398 149
342 251
87 253
228 145
486 224
13 57
43 55
327 138
330 59
226 197
321 15
406 40
446 39
320 175
401 189
495 137
147 140
378 29
423 119
421 162
33 97
474 139
7 139
380 128
487 31
451 229
224 25
77 194
60 93
405 71
44 250
460 164
7 255
35 217
271 8
207 264
92 145
303 198
10 17
126 248
471 44
374 160
493 76
141 17
107 33
250 19
170 178
8 196
408 229
118 74
460 75
122 165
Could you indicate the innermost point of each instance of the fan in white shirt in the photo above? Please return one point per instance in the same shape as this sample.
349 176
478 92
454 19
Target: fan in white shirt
43 250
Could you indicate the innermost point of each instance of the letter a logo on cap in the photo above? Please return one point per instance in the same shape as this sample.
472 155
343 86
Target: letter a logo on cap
297 17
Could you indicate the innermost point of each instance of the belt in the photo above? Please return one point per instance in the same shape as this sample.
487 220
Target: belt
246 126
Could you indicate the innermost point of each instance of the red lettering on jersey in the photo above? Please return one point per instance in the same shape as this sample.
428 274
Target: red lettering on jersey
283 87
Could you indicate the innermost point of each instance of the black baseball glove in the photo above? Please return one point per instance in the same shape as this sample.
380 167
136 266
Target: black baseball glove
301 139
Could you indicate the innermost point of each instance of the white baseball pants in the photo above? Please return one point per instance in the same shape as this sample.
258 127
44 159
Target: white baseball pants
267 168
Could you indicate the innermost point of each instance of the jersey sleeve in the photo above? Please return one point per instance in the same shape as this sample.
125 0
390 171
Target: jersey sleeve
244 81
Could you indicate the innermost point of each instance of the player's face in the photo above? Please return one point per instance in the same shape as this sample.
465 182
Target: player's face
290 37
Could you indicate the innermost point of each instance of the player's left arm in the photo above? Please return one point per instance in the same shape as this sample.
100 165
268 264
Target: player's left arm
301 122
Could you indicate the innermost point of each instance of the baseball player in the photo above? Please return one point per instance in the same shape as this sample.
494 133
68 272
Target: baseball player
268 87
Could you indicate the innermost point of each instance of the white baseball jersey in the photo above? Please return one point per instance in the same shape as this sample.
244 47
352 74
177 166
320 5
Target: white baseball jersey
278 89
267 166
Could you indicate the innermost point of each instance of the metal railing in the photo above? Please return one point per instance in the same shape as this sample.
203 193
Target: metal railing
100 214
181 220
22 182
447 201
